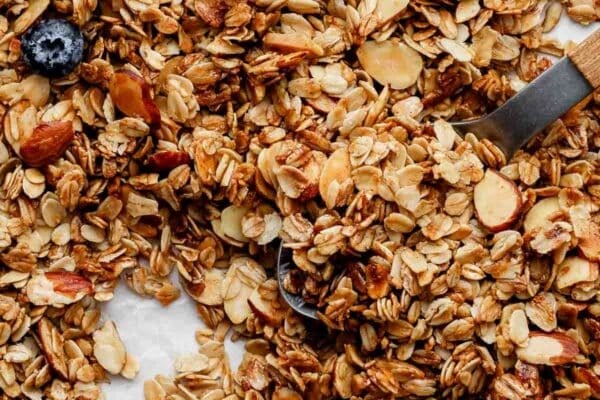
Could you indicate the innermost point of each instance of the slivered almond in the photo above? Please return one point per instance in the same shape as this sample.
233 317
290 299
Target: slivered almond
549 349
47 142
497 201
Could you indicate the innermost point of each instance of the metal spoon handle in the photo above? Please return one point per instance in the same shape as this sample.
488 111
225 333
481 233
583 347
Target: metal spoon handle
543 101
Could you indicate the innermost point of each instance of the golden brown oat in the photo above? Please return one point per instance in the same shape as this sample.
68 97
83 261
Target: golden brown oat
195 134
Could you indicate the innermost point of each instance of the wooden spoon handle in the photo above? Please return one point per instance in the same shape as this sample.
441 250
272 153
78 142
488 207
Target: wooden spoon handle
586 56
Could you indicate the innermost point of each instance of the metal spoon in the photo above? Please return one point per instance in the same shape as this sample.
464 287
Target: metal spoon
284 265
513 124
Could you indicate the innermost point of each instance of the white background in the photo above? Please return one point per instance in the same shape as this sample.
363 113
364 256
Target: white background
156 335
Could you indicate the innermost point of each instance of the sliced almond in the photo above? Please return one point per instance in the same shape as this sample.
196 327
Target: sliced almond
211 295
131 368
549 349
292 42
336 170
387 10
109 349
191 363
264 309
540 214
497 201
231 222
391 63
52 345
541 310
243 276
574 270
518 328
57 288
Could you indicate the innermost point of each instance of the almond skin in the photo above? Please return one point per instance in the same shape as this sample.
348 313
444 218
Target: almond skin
584 375
132 96
51 344
549 349
69 283
167 160
264 310
47 142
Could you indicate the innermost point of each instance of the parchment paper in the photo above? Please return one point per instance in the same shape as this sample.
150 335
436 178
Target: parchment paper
156 335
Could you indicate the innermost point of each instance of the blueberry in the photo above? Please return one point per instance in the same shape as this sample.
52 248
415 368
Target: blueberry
53 47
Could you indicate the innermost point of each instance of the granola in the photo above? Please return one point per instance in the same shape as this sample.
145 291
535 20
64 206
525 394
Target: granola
196 135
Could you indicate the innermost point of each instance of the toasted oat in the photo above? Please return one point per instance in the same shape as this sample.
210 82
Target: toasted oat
196 135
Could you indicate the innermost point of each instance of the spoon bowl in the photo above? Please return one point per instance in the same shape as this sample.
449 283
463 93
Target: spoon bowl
284 265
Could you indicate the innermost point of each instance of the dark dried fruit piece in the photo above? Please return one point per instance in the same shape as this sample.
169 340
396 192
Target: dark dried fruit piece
131 95
167 160
47 142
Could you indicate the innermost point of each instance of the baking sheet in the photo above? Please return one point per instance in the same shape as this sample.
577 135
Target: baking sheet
156 335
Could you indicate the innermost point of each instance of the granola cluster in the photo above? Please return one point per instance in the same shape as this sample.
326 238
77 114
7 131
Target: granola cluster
196 135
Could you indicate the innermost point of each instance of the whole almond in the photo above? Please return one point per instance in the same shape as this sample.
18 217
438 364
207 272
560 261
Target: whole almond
167 160
131 95
47 142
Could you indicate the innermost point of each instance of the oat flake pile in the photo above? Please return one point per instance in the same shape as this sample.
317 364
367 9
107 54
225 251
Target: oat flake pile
197 134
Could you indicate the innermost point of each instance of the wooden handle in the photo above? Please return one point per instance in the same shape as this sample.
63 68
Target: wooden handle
586 57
